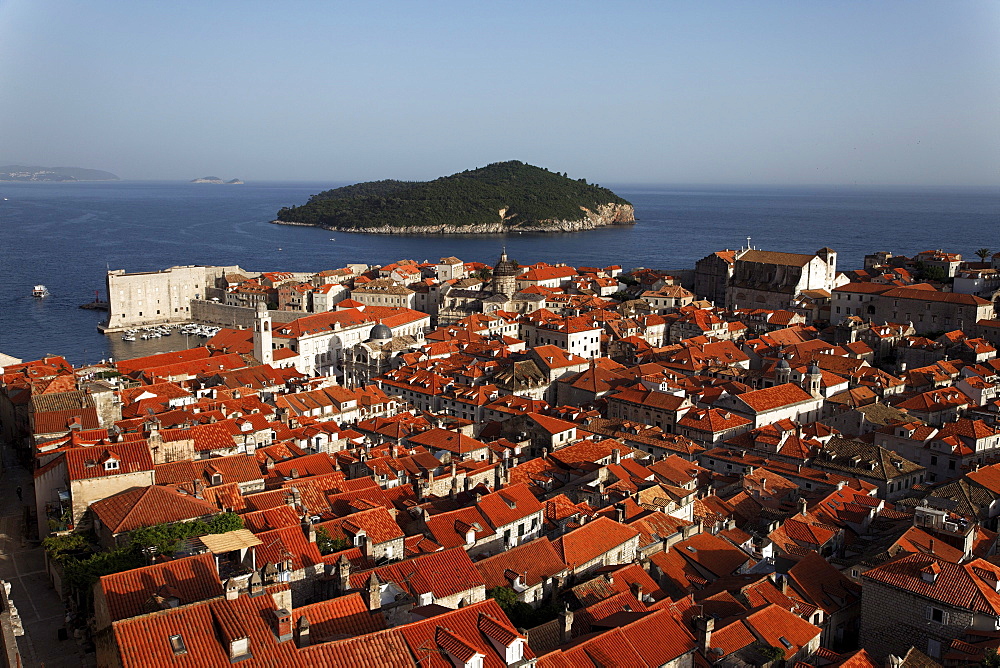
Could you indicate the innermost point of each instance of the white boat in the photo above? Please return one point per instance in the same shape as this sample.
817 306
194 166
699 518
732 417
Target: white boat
40 291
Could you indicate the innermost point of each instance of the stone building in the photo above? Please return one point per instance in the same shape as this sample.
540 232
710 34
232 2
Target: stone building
152 297
457 301
66 486
320 339
383 292
712 274
772 280
925 602
921 306
364 361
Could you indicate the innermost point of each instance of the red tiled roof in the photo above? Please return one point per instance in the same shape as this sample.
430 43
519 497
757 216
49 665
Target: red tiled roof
532 562
593 539
267 519
771 398
819 583
509 504
233 468
712 553
960 586
288 543
780 628
444 439
54 422
338 617
450 529
190 579
93 462
377 524
148 506
655 639
442 573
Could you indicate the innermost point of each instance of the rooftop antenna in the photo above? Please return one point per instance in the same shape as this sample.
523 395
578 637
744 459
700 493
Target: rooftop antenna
748 242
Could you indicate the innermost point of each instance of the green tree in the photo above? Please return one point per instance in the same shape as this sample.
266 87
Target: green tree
520 613
991 659
165 538
770 653
983 253
327 544
931 273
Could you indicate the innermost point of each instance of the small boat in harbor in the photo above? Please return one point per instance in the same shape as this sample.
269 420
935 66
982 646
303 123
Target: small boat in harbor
40 291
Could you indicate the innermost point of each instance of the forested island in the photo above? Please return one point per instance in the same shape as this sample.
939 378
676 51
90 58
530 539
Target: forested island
57 174
498 198
217 180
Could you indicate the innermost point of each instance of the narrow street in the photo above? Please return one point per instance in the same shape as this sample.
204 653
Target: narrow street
22 564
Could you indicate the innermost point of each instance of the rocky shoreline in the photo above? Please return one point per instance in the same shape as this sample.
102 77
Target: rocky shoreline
606 215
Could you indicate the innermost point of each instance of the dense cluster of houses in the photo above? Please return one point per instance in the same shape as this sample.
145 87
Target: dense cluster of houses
764 462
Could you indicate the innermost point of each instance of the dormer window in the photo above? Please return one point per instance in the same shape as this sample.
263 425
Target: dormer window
177 645
111 465
239 648
216 478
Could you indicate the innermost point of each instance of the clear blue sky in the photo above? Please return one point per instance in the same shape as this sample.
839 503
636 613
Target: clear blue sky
889 92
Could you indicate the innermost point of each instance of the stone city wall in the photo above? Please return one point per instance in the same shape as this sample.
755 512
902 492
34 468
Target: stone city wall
234 317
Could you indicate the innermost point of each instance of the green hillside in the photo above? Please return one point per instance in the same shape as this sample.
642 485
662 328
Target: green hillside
529 194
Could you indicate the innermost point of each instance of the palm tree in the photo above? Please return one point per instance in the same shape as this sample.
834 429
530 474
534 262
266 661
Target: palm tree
983 253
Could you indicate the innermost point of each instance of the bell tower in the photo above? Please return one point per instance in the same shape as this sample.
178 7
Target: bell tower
262 347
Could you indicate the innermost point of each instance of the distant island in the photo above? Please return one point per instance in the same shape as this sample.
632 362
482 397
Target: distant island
53 174
496 199
216 179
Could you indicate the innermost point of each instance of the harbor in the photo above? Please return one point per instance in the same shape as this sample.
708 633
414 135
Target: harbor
188 330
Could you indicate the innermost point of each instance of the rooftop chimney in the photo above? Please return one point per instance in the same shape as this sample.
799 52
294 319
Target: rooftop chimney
302 633
705 626
566 625
282 624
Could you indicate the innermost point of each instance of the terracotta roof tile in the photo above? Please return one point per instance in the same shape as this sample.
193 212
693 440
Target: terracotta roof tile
593 539
189 579
148 506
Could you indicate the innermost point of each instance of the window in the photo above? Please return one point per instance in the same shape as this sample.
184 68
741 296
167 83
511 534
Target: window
111 465
936 615
177 645
239 648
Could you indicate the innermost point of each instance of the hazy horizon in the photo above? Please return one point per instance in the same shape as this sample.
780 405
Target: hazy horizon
771 94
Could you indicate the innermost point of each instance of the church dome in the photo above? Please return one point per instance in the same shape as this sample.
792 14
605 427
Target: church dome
380 332
505 267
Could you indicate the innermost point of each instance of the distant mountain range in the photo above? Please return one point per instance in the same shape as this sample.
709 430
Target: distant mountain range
36 173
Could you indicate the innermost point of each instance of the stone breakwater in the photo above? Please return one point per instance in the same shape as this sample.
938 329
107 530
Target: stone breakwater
605 215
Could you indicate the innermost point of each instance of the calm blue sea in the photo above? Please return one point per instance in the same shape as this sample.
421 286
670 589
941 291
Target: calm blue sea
66 235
